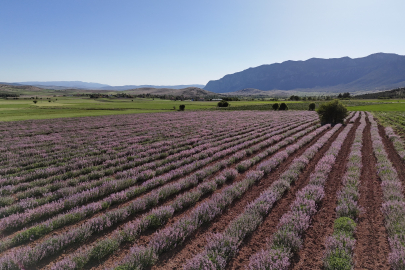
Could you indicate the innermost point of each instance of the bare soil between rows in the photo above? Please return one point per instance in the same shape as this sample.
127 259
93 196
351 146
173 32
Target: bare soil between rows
126 246
310 256
175 258
371 250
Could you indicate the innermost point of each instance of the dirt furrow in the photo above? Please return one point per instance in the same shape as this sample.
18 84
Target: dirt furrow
371 250
310 256
145 237
192 246
393 156
259 238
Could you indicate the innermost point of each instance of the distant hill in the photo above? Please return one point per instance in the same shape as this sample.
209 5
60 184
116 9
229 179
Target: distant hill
261 93
128 87
59 85
186 92
29 90
378 71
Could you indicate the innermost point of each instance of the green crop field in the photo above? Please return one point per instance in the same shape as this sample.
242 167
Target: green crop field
25 109
58 107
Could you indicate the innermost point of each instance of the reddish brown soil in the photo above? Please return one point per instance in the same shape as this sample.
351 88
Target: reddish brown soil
258 239
393 156
195 244
144 238
371 250
310 256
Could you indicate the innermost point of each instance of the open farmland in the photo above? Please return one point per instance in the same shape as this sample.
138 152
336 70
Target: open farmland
201 190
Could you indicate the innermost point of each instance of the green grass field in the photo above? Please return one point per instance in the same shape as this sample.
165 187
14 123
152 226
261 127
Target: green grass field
25 109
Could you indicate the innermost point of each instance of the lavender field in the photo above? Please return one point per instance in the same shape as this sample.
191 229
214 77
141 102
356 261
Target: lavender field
201 190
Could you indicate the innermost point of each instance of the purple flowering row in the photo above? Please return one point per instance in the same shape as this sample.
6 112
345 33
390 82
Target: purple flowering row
222 247
122 163
354 117
142 173
393 207
287 240
108 187
175 234
152 220
31 255
88 254
396 140
37 231
140 149
340 245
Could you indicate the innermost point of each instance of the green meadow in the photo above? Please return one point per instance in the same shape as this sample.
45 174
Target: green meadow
58 107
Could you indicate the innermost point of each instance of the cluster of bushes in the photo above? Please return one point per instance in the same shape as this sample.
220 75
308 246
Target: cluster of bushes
223 103
281 107
332 112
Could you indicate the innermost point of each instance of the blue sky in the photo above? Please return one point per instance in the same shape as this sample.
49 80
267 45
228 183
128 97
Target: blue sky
170 42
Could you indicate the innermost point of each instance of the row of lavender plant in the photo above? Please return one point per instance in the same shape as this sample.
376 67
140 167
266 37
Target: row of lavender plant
80 142
170 237
173 235
287 240
87 170
355 116
78 258
78 214
393 207
140 176
396 141
119 143
340 246
223 246
108 187
202 119
146 156
152 220
130 151
142 152
59 184
30 256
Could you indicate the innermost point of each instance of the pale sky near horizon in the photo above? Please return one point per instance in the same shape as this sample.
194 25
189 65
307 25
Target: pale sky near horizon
174 42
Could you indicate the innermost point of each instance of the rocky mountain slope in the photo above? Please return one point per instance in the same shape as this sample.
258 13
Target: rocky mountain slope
375 72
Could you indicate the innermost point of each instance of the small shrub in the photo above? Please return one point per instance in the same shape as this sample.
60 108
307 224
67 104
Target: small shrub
333 112
344 225
283 107
339 259
275 106
312 107
182 107
35 101
223 103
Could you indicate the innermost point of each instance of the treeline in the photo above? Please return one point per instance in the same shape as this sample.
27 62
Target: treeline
6 95
395 93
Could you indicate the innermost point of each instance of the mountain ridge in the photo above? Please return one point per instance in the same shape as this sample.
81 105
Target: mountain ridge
378 71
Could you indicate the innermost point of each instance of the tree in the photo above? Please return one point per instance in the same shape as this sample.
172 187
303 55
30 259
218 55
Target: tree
283 107
333 112
346 95
223 103
275 106
312 106
182 107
